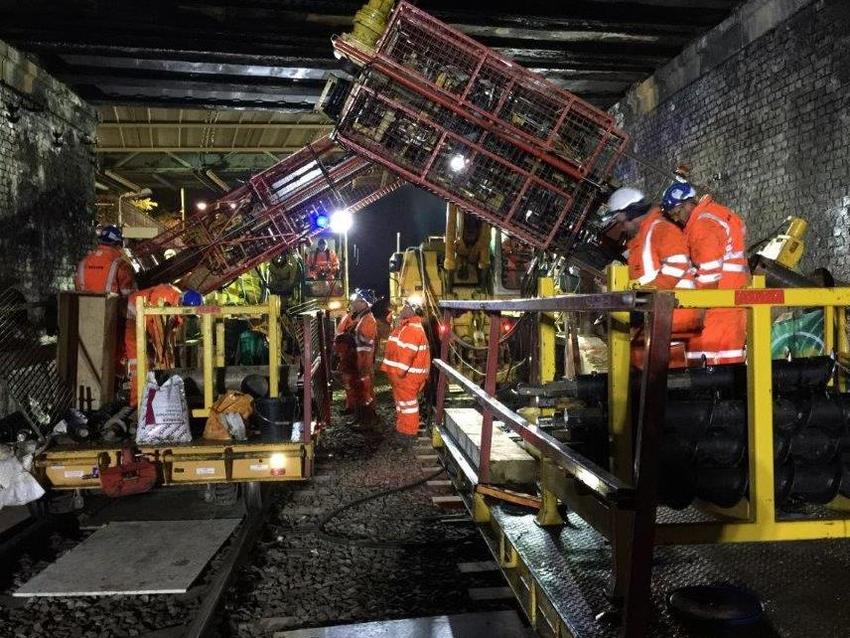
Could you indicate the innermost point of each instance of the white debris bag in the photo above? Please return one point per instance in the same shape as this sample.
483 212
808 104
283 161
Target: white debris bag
163 413
17 485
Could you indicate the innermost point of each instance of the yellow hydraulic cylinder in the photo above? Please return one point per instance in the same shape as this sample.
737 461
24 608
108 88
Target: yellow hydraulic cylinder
450 259
371 21
546 333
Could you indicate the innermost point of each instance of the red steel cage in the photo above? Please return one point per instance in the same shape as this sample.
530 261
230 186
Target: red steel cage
451 115
258 221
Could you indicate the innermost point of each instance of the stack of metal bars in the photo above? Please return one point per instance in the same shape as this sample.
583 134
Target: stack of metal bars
452 116
28 368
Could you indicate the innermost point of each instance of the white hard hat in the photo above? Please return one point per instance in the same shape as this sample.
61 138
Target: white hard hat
624 197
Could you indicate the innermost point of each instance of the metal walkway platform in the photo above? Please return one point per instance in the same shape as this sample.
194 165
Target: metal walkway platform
805 586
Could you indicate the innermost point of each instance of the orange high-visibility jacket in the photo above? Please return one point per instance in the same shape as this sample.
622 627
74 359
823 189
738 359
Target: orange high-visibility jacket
105 269
322 262
716 241
365 331
658 255
408 353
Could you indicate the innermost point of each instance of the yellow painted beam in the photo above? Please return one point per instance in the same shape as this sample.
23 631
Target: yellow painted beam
619 362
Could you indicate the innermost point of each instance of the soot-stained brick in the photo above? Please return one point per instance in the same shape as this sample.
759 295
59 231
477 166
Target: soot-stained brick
47 169
767 132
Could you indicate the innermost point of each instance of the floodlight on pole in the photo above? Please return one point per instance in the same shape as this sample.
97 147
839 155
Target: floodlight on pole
341 221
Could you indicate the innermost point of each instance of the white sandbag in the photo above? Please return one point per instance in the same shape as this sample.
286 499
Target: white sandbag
17 485
163 413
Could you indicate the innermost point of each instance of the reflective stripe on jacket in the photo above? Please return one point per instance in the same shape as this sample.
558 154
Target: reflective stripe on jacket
105 269
408 352
365 331
658 255
717 243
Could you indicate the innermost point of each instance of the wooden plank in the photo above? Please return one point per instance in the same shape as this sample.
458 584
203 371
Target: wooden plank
132 558
439 483
509 463
447 502
508 496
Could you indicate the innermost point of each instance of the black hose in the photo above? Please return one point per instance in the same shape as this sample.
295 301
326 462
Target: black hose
367 542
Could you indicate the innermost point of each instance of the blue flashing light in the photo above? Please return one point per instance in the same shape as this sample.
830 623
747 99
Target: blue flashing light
322 221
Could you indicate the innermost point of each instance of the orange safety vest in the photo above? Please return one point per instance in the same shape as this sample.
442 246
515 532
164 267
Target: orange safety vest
717 241
658 255
365 331
408 353
105 269
323 260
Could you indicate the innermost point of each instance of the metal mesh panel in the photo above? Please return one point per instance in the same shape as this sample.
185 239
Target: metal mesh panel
444 62
492 176
28 368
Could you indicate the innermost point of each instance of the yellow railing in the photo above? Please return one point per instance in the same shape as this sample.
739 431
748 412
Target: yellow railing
208 316
754 519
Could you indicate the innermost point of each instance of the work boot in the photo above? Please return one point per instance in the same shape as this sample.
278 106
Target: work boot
370 421
356 417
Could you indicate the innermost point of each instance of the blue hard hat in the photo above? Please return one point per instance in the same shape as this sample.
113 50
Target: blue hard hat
677 193
366 295
110 234
191 298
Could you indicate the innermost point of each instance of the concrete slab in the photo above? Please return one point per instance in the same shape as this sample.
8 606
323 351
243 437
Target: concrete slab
130 558
497 624
509 463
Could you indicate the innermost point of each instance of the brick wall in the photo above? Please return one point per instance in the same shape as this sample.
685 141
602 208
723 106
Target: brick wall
767 130
47 169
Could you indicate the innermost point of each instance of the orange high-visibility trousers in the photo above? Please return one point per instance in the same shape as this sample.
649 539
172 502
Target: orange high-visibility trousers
359 389
406 392
722 340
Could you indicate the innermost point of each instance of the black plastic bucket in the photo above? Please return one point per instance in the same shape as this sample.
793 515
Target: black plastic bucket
273 418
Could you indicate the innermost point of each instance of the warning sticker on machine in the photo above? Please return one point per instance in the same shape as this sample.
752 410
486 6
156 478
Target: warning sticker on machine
259 467
74 473
204 470
752 297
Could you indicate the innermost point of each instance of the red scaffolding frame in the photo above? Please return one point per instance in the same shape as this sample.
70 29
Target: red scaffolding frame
262 219
454 117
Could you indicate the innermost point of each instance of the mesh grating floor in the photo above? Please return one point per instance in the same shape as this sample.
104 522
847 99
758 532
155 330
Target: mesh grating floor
803 585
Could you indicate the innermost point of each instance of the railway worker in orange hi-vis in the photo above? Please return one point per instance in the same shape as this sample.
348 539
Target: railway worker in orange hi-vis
361 329
407 362
657 251
716 238
160 330
106 269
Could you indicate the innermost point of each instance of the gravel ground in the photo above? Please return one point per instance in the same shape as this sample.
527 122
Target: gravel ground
299 576
302 578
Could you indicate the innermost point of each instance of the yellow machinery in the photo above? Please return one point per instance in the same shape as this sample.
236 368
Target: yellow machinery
610 503
206 461
787 249
469 262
